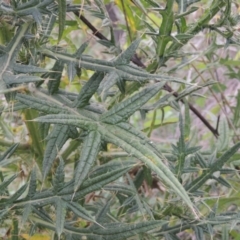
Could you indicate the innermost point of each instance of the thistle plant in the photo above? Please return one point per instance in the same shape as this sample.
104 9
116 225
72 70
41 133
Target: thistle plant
80 130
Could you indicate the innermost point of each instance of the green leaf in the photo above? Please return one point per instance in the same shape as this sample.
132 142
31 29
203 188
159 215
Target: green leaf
187 121
93 184
109 81
181 148
43 129
90 149
56 140
8 153
136 197
34 134
147 175
18 193
88 90
60 207
14 231
102 215
164 36
236 118
198 233
223 139
122 111
125 57
6 182
222 181
71 70
54 77
42 214
120 231
120 188
62 7
26 212
42 105
15 79
58 180
32 183
216 166
80 211
201 160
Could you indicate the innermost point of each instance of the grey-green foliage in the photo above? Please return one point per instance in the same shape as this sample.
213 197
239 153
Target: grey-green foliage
65 117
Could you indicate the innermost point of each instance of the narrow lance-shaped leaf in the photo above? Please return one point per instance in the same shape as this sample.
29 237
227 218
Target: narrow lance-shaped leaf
42 214
39 104
102 215
54 77
137 198
222 181
15 231
8 153
113 165
18 193
201 160
16 79
198 233
26 212
34 134
80 211
181 148
125 57
109 81
236 118
141 137
90 149
216 166
28 69
187 121
51 104
32 183
120 188
165 29
119 231
43 129
71 71
69 119
60 206
62 7
57 138
58 180
95 183
125 109
6 182
223 139
88 90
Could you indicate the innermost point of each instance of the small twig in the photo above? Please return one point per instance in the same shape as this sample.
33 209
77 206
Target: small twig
138 62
